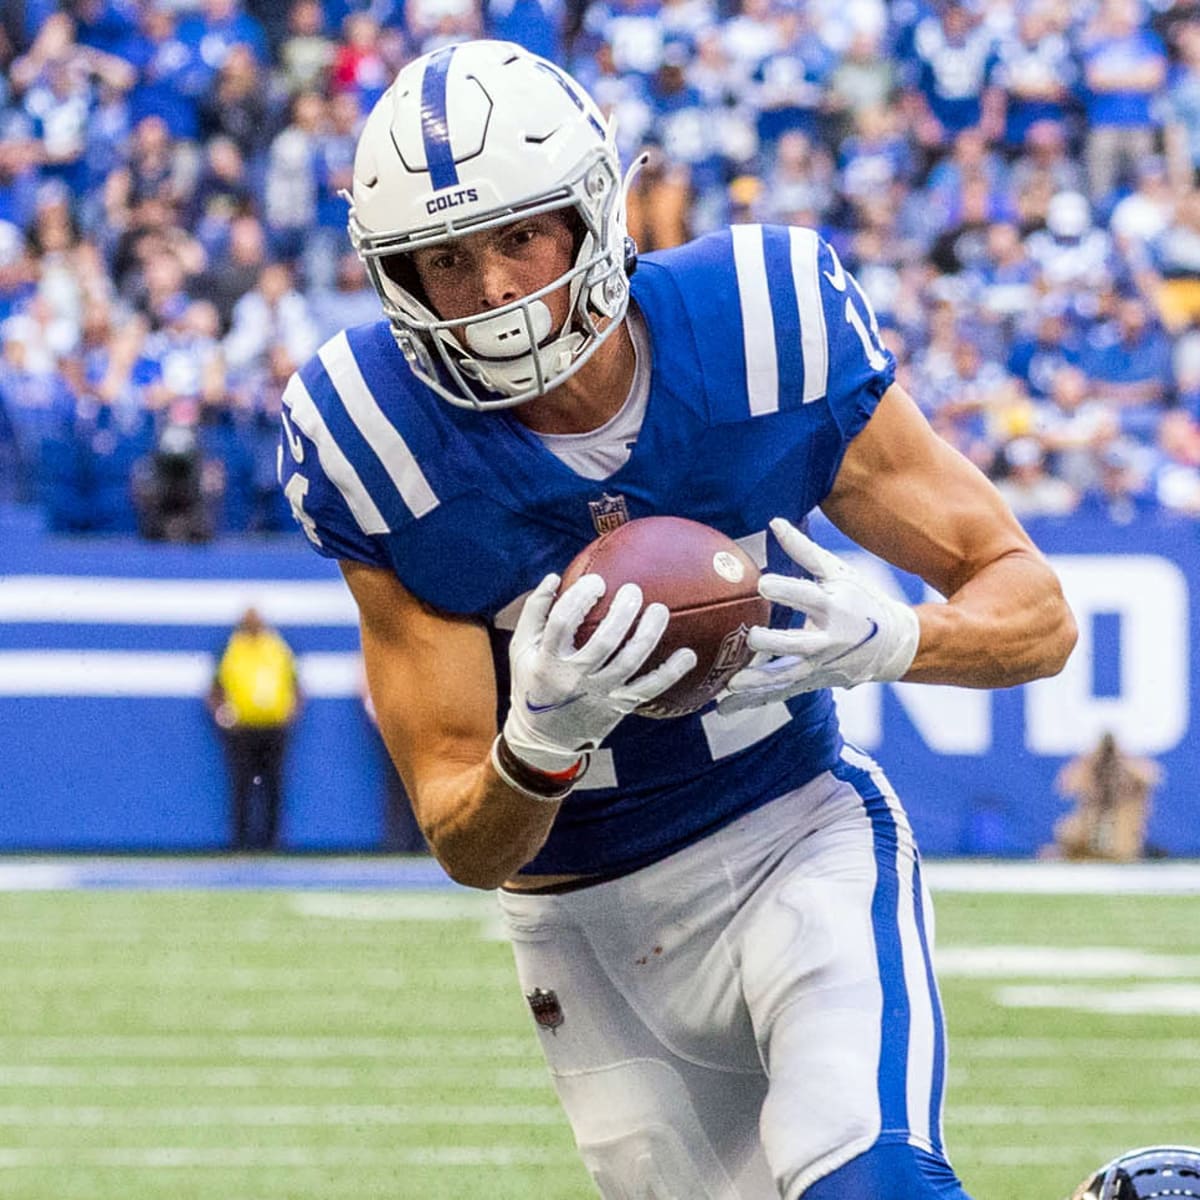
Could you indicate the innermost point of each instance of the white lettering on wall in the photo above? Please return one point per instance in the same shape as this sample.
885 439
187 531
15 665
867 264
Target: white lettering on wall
1150 713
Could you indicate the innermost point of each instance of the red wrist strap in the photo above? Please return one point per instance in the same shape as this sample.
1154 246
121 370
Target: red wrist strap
563 776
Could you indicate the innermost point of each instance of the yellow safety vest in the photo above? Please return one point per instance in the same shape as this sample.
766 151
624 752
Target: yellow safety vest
258 676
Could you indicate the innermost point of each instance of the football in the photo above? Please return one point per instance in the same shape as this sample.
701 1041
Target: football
710 585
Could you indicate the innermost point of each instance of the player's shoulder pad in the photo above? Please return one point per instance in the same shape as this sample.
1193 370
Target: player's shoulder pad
776 320
358 437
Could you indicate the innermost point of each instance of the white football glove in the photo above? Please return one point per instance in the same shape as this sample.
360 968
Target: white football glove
565 702
853 632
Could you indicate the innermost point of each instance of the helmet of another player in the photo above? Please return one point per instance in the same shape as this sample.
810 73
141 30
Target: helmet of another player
1144 1175
469 138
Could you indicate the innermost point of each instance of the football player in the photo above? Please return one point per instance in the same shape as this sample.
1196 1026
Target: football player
719 920
1145 1174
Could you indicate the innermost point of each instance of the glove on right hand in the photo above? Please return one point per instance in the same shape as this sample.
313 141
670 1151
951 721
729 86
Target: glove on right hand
564 701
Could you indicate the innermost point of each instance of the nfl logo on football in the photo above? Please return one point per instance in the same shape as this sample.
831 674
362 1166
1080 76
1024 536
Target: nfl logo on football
608 513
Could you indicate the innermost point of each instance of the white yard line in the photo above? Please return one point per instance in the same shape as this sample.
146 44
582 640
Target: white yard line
270 1115
282 1157
171 1076
472 1047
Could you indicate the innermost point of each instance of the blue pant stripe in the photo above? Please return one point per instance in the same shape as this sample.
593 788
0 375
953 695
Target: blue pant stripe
939 1026
893 1050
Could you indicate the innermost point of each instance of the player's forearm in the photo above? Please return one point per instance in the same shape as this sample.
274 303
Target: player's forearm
481 830
1008 625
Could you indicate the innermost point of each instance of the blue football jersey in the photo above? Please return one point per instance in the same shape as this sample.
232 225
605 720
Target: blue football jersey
766 362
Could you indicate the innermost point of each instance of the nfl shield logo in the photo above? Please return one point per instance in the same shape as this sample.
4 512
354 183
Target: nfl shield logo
608 513
547 1012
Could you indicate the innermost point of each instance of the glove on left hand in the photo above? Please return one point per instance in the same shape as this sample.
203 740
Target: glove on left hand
853 632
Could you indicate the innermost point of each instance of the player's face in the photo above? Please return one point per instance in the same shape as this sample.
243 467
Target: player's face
484 271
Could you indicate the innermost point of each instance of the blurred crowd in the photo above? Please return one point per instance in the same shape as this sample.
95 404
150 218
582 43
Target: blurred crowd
1014 183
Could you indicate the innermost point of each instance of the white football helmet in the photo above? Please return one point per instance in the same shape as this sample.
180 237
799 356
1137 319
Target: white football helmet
469 137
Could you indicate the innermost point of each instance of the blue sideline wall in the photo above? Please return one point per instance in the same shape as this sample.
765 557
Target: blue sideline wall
106 649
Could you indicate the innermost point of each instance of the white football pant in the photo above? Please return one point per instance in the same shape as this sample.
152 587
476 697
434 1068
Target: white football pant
749 1014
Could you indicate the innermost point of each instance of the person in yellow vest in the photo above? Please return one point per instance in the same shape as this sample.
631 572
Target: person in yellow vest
255 699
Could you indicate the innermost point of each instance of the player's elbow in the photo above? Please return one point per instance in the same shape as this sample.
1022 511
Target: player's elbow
1061 634
483 876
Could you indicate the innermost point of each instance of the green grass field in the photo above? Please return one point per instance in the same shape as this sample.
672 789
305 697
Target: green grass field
279 1045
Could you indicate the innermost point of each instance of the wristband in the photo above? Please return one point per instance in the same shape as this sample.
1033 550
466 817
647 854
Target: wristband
529 781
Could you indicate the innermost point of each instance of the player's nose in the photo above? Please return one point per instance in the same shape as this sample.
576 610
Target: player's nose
496 280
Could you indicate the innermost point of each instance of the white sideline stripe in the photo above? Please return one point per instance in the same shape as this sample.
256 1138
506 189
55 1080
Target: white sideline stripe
293 1115
758 323
176 674
1031 1155
337 467
380 434
1118 1046
102 1075
1041 1115
355 1157
1156 999
153 976
814 340
101 600
1063 962
1064 879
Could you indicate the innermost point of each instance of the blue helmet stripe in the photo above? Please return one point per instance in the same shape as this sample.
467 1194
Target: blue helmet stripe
435 127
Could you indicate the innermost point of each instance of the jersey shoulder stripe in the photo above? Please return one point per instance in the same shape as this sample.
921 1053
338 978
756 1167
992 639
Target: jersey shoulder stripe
389 447
336 467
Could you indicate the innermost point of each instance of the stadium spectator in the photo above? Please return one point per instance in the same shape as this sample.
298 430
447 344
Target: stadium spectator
1036 70
1128 361
1176 472
659 205
290 188
308 52
1027 485
1170 273
953 90
538 25
1181 128
172 77
333 167
35 396
358 64
1185 363
1074 257
863 78
217 27
1124 68
222 193
350 301
237 107
272 313
1144 213
177 490
230 275
1120 492
1044 169
1075 425
251 419
255 701
1112 792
